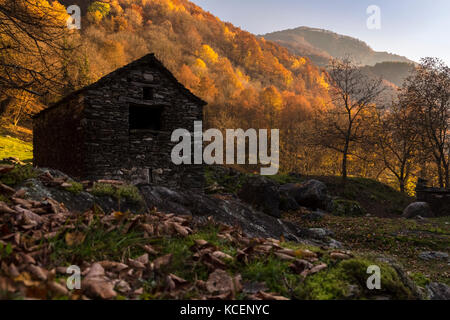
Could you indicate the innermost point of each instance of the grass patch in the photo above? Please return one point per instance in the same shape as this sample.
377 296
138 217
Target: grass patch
229 180
272 271
401 238
18 175
420 279
343 207
13 147
182 263
98 245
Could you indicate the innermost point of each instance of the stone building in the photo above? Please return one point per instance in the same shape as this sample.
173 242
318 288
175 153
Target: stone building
120 128
438 199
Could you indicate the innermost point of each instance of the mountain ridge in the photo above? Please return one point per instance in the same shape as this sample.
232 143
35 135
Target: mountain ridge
321 44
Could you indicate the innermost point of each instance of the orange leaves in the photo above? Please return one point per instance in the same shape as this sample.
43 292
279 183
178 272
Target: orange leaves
271 98
188 78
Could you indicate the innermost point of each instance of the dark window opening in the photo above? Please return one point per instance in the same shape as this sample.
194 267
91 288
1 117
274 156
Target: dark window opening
148 93
145 118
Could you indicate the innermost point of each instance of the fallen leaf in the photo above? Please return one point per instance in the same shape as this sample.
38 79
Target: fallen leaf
98 288
38 272
160 262
339 256
75 238
219 282
305 254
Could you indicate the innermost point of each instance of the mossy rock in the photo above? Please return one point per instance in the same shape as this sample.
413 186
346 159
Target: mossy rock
347 280
343 207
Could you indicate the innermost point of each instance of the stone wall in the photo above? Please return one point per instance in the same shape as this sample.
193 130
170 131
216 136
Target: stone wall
438 199
115 151
98 142
58 137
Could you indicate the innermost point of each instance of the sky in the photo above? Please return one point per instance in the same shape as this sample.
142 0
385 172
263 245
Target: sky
411 28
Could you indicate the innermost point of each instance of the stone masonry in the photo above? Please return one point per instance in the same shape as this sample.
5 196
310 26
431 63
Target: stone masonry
120 128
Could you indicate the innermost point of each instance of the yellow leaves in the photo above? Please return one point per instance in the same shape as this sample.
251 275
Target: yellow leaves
25 278
271 97
322 82
74 238
174 5
199 63
208 54
95 16
119 215
228 33
297 63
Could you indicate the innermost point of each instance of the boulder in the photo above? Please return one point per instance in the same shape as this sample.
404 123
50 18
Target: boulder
438 291
312 194
320 232
287 199
262 194
417 209
433 255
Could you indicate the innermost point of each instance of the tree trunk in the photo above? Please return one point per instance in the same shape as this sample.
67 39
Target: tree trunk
344 162
402 185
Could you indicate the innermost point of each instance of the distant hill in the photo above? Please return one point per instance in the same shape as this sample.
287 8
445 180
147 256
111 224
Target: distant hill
394 72
320 45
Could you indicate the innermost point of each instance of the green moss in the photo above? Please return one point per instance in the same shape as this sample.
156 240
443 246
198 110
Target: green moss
75 187
5 250
127 192
18 175
420 279
336 281
325 285
285 178
342 207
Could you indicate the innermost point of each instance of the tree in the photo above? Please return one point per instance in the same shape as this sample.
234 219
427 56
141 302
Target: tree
398 141
30 44
342 123
427 90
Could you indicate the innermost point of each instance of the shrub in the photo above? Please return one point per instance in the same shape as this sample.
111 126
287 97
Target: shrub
342 207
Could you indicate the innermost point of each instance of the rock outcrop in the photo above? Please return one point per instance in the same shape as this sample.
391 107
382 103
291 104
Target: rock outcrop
232 211
262 194
312 194
417 209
